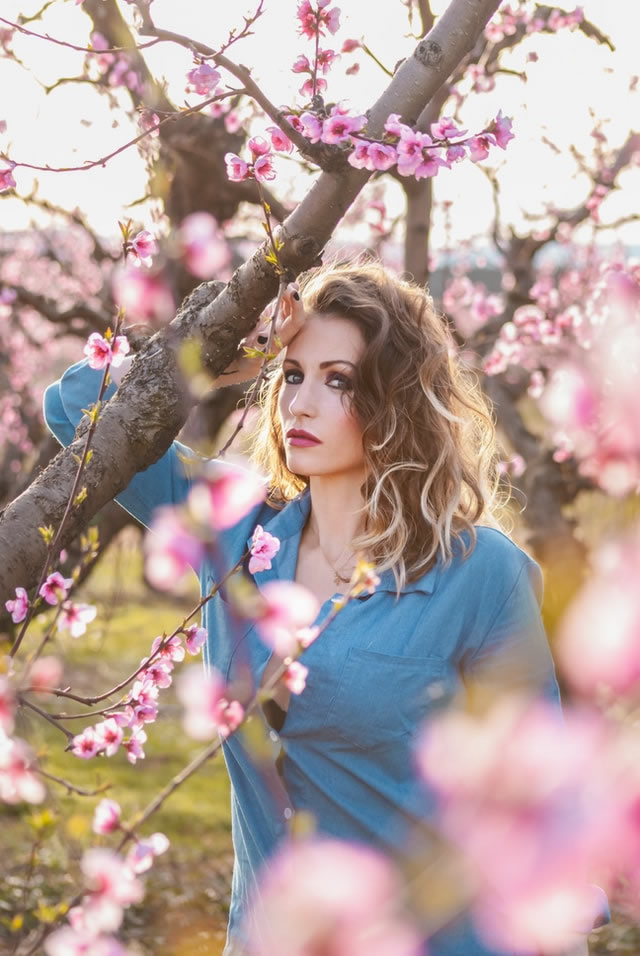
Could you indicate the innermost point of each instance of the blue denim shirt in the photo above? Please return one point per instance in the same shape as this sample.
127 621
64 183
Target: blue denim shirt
382 668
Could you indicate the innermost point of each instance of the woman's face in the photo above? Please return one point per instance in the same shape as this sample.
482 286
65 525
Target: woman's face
315 398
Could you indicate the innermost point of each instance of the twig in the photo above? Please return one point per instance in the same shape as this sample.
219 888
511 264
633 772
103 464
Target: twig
46 716
74 46
71 787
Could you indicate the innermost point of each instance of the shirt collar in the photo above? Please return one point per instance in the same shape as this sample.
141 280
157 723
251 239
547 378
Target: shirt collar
290 520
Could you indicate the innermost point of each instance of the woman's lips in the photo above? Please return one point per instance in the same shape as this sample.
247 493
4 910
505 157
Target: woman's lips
301 440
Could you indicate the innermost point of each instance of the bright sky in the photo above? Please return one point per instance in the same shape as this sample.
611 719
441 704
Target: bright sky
574 80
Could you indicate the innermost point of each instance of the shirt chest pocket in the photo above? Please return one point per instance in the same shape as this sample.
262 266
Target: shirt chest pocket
382 697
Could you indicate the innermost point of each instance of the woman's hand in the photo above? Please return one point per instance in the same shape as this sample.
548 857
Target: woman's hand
288 323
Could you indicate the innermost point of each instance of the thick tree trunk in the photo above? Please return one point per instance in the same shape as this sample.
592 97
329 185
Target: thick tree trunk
151 405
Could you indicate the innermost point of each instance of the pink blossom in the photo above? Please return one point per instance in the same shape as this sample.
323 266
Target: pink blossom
311 127
134 745
159 673
501 129
19 606
237 169
479 146
306 90
263 168
232 121
86 744
195 637
327 896
445 128
6 177
226 497
339 126
203 249
141 856
106 817
325 60
17 780
258 146
455 153
202 79
396 127
428 167
144 295
207 708
307 635
301 65
102 351
172 648
264 547
350 45
295 677
75 618
98 350
109 734
172 548
287 608
410 154
54 590
382 156
314 20
7 706
143 246
279 140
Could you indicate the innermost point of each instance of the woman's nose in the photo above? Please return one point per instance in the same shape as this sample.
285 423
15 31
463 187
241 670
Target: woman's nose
302 402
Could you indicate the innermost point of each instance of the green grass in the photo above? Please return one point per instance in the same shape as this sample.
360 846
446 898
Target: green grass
185 906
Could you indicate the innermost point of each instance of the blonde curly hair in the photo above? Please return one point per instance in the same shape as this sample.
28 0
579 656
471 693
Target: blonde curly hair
428 434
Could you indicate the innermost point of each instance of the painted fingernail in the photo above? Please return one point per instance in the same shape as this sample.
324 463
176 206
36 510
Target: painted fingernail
296 296
262 339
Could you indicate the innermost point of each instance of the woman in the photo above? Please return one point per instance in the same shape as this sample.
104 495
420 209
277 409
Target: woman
376 443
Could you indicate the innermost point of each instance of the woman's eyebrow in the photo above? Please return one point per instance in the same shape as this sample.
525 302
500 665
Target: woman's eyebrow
323 364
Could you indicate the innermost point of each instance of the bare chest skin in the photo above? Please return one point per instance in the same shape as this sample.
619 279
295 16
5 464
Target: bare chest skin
313 573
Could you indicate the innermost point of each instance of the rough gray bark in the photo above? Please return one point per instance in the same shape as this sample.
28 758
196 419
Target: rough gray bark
151 405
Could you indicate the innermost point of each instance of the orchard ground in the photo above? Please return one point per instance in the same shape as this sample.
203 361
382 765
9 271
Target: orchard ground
184 912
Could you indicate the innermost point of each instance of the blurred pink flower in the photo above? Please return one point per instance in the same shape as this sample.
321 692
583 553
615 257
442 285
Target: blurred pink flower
264 547
81 942
45 673
18 782
106 817
479 146
295 677
172 548
54 590
326 896
140 857
287 608
108 875
258 146
7 706
143 294
599 641
311 127
75 617
301 65
501 129
208 711
19 606
226 497
203 249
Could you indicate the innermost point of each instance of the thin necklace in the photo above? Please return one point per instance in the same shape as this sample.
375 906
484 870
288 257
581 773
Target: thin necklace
337 578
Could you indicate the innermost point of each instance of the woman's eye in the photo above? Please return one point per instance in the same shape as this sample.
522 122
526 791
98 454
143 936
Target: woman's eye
290 377
340 381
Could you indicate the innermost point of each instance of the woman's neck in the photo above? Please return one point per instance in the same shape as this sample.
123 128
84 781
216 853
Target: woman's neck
335 518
